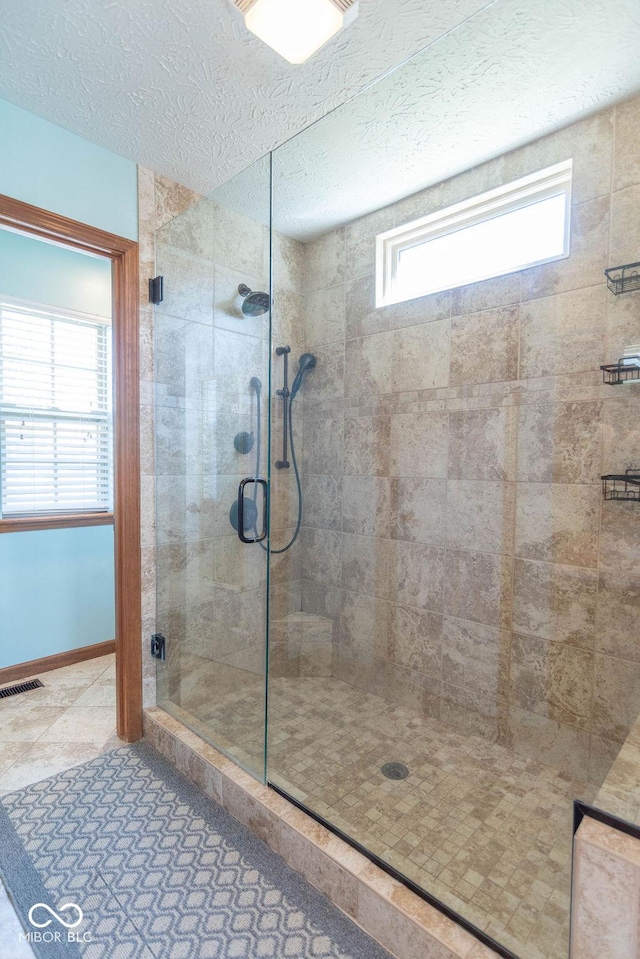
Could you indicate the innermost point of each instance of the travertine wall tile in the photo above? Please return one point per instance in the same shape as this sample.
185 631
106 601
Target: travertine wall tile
484 346
563 333
616 703
324 316
477 655
478 587
415 639
482 444
322 555
620 537
626 162
171 199
549 741
625 231
618 616
418 511
325 261
360 241
364 625
486 295
368 365
419 444
606 894
555 602
552 679
559 443
365 564
365 505
366 445
558 523
482 514
416 574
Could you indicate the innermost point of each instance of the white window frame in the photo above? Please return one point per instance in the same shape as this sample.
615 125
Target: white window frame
552 181
100 419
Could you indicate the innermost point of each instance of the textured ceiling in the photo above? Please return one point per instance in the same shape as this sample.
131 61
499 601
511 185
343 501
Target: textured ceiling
515 71
182 87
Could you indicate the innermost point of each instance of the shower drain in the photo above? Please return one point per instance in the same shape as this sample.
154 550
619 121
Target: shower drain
394 771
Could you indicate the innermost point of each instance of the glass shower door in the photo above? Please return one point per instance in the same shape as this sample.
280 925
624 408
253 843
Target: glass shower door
212 346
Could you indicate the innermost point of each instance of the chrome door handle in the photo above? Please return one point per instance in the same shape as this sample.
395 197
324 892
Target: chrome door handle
244 483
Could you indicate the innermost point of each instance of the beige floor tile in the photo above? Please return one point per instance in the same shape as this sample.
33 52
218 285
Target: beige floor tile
46 695
9 753
25 725
79 674
82 724
99 694
41 760
109 674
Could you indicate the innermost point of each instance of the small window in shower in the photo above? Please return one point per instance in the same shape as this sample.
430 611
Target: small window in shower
522 224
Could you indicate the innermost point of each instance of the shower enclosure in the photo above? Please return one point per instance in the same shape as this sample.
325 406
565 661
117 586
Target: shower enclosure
386 577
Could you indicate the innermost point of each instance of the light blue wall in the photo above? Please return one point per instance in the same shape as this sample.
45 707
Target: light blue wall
47 166
54 275
56 586
56 591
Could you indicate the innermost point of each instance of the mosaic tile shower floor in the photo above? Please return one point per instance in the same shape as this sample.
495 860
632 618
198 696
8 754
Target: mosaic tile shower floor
485 830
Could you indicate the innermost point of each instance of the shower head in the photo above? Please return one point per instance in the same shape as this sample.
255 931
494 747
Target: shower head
255 304
306 363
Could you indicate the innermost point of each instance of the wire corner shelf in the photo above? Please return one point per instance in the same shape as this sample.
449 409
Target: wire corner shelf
623 279
622 486
626 370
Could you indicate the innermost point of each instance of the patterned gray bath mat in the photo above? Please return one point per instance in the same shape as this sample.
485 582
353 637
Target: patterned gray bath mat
157 871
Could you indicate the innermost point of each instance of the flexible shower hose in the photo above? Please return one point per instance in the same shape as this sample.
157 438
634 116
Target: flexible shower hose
295 470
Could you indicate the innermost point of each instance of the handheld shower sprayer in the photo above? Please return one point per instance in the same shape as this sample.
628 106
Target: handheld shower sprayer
306 363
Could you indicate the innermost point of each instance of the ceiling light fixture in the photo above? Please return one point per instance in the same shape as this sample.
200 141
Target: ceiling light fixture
296 29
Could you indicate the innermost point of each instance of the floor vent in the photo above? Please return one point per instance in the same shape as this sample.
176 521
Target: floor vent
20 688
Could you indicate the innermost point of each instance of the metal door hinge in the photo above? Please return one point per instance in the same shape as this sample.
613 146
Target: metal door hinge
156 289
158 646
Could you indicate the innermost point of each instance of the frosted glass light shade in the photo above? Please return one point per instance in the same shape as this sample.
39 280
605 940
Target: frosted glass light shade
295 29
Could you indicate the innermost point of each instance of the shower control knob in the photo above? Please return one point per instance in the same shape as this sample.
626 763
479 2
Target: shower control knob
243 442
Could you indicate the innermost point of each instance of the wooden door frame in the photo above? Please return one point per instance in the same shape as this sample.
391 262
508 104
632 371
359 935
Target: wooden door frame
123 253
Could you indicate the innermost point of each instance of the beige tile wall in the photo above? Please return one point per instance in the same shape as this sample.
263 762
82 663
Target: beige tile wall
455 531
606 893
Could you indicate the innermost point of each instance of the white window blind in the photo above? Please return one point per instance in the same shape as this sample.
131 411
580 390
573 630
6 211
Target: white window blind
55 412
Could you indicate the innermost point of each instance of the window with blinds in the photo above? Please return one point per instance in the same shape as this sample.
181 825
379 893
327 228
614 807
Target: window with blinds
55 412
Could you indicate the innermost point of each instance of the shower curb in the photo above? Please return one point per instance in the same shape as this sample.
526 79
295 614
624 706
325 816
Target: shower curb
402 922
